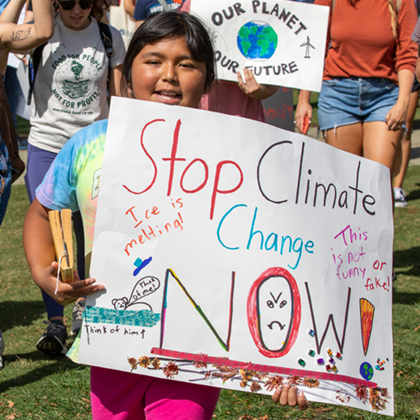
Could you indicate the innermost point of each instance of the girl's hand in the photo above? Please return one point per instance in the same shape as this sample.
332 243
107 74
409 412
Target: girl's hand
69 292
397 115
252 88
39 249
303 110
289 395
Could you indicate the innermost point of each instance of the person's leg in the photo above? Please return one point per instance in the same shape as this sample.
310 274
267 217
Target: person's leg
397 168
5 190
348 138
399 172
5 178
379 143
38 163
404 151
127 396
117 395
13 90
167 399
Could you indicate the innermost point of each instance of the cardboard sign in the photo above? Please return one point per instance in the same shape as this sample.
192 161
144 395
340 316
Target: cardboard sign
283 42
239 255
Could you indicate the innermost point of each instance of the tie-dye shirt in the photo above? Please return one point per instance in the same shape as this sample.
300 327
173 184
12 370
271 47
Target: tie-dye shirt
72 181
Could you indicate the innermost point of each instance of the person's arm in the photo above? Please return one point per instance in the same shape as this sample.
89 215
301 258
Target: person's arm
139 14
29 14
398 113
129 6
303 109
115 81
418 66
39 250
252 88
405 62
21 38
12 11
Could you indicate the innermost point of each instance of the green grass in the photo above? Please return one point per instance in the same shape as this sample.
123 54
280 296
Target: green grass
23 127
33 386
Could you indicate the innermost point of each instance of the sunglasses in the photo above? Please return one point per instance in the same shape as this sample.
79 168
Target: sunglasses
69 4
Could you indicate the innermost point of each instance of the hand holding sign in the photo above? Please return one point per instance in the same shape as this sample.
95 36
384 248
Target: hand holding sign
288 394
252 88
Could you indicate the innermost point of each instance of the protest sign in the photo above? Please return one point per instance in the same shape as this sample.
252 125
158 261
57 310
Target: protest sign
278 109
283 42
236 254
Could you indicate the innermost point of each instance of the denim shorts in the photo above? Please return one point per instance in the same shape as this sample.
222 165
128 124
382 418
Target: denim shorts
5 178
345 101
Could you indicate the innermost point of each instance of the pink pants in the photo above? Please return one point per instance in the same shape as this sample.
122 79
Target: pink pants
127 396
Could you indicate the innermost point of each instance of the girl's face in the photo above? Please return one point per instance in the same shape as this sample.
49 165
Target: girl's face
165 72
76 18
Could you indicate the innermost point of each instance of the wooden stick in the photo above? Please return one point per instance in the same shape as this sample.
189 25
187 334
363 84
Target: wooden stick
63 241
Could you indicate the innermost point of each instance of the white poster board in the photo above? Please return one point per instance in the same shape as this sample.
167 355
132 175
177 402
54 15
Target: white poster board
283 42
236 254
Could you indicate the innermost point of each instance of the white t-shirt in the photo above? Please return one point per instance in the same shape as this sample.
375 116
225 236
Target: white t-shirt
70 85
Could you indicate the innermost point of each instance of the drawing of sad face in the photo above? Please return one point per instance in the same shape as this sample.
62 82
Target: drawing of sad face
275 305
274 312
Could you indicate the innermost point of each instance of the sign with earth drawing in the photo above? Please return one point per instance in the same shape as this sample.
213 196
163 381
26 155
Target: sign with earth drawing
283 42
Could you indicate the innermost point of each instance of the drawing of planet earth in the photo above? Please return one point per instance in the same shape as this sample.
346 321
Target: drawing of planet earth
257 40
366 370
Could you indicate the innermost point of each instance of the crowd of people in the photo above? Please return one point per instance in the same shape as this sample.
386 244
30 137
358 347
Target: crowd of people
366 107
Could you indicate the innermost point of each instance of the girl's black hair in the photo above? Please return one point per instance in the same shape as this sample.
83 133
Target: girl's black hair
163 25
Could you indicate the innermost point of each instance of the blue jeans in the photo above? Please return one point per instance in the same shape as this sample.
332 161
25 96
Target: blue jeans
5 178
345 101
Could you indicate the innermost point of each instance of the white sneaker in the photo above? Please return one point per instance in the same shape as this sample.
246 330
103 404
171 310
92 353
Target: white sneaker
400 199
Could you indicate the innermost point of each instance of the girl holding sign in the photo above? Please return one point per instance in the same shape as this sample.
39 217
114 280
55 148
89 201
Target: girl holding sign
368 76
170 61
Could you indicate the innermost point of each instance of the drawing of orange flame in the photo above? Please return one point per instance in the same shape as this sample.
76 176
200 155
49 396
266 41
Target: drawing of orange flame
367 312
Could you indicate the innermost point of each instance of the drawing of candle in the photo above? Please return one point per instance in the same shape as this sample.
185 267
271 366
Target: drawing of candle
367 312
